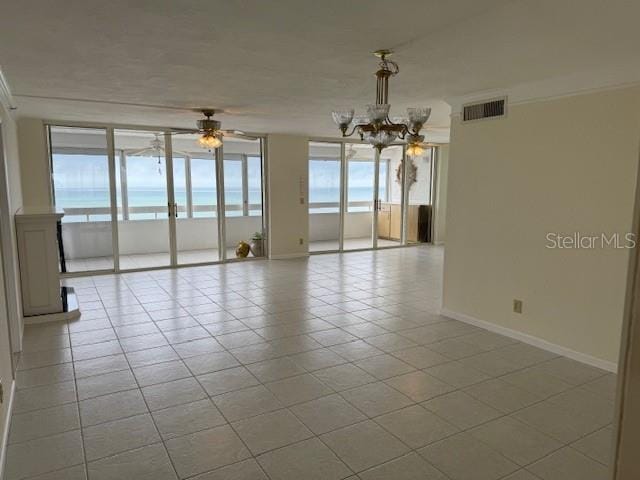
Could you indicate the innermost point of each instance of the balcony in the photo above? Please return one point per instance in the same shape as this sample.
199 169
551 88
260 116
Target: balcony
143 238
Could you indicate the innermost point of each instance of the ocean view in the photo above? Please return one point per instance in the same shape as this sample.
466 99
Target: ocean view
156 197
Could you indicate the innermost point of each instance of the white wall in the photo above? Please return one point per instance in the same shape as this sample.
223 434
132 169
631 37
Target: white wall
288 193
34 163
326 226
565 165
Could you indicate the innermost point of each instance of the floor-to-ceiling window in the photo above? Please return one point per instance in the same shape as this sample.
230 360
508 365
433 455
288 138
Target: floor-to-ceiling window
390 201
163 192
325 193
360 194
419 183
143 197
243 195
384 205
196 197
81 187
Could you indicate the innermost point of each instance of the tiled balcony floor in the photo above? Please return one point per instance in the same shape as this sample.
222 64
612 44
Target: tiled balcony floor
331 367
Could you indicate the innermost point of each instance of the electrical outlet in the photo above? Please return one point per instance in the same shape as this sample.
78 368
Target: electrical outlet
517 305
301 240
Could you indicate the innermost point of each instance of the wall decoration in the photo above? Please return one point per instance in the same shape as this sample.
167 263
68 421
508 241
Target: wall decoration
412 173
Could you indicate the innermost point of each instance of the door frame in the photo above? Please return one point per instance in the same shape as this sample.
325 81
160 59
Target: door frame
8 259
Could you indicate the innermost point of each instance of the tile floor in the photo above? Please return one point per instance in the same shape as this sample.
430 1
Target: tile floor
332 367
349 244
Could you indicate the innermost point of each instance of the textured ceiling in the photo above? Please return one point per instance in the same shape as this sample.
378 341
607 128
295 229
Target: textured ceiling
282 66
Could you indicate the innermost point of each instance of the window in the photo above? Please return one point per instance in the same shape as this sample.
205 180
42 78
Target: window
383 181
254 184
180 186
142 194
146 187
81 186
360 187
233 187
324 185
203 187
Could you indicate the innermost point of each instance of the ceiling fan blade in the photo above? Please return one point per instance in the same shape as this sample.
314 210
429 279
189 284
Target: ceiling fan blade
146 152
184 131
237 134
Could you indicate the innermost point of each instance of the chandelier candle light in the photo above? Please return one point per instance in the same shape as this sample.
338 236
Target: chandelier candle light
376 127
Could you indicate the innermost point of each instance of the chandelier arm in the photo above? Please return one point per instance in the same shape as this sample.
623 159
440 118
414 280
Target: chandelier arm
380 131
405 128
355 127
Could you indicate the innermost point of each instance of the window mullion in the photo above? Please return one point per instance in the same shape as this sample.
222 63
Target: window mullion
124 194
188 185
245 187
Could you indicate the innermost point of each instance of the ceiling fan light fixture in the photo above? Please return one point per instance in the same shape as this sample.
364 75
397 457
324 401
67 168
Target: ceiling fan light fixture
209 141
415 150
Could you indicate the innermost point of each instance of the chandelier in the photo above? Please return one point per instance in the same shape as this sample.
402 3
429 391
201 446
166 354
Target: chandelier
376 127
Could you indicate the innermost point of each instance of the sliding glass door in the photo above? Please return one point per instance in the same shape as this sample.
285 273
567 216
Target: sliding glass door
359 199
136 199
195 195
325 196
390 200
243 197
81 188
144 204
420 196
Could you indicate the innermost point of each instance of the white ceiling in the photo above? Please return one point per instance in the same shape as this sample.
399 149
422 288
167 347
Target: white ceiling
281 67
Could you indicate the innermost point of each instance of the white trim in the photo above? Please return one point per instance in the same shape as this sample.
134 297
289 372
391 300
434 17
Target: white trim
7 426
531 340
6 98
287 256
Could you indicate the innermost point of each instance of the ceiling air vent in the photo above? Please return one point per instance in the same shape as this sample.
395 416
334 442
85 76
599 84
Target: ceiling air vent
479 111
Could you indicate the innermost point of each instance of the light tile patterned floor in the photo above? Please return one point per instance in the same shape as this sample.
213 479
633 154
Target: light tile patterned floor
332 367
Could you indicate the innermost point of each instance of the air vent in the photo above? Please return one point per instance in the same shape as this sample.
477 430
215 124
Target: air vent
479 111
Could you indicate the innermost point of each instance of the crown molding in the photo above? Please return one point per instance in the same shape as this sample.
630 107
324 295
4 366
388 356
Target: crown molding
580 83
6 99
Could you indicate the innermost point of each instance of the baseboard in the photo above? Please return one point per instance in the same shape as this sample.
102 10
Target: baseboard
287 256
7 425
531 340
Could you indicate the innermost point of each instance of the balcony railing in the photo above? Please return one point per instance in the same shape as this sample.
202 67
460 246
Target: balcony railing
158 211
89 214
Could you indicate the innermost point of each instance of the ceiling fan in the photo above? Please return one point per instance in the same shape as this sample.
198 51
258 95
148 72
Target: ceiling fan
210 130
418 146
